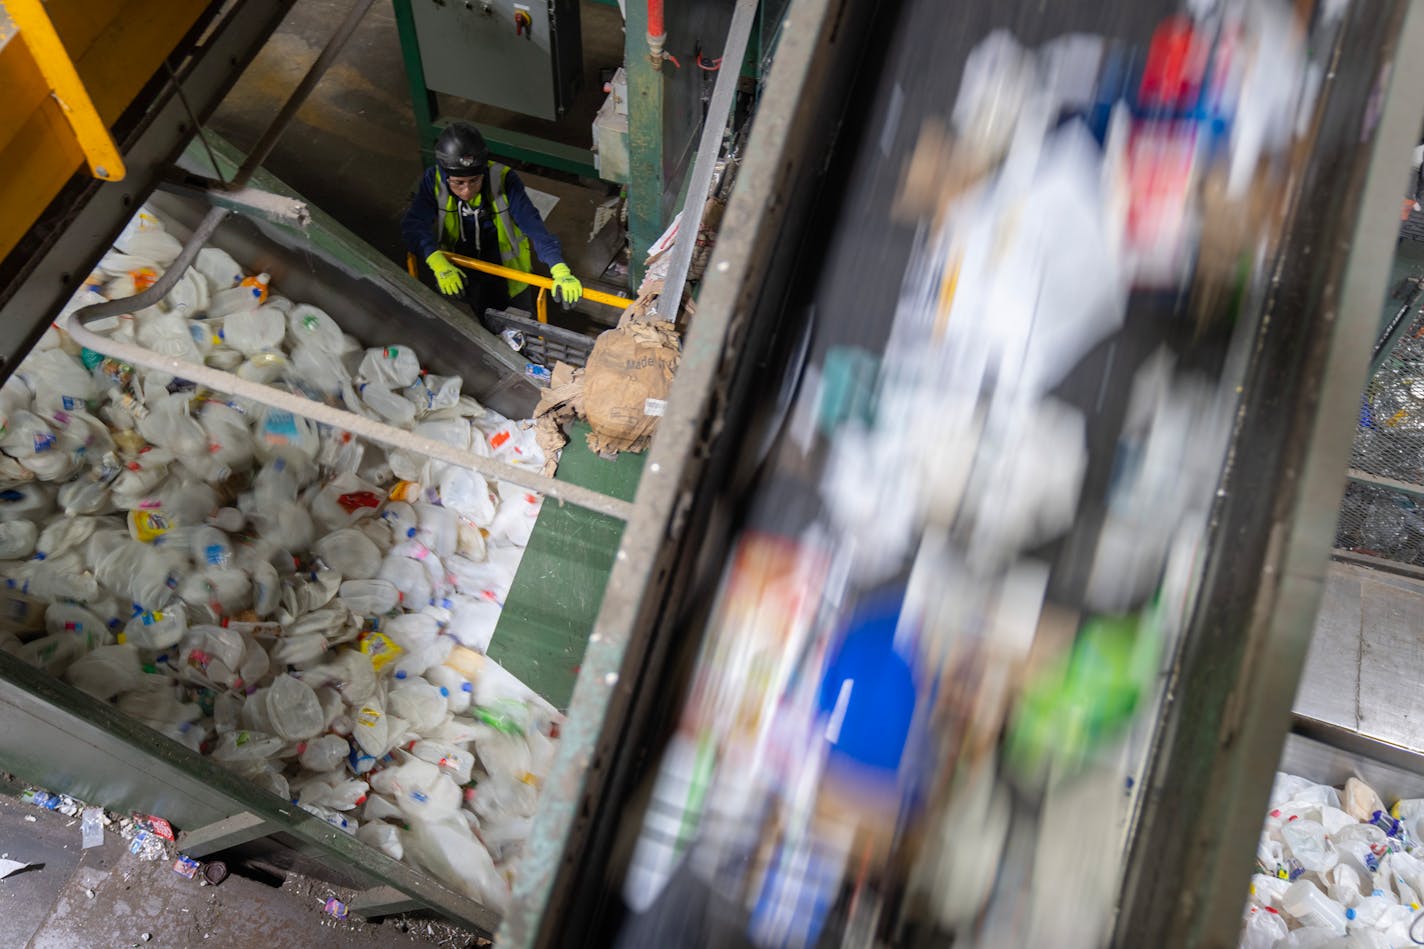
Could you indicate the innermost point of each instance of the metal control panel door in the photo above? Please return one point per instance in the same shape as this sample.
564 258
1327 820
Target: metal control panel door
521 55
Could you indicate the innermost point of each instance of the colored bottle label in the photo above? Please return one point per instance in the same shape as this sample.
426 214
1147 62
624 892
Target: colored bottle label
356 500
148 526
279 428
380 648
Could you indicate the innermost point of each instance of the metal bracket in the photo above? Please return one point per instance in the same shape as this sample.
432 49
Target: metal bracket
381 901
223 834
249 202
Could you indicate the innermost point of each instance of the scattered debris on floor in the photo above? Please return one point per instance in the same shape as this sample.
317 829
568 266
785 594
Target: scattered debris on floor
8 867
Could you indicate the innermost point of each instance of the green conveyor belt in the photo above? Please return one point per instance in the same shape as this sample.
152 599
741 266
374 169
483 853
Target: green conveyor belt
554 600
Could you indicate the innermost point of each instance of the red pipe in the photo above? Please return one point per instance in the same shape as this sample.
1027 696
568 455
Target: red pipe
655 18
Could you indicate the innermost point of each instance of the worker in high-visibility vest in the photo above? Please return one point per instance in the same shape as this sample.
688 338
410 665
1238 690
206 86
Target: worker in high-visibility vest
469 205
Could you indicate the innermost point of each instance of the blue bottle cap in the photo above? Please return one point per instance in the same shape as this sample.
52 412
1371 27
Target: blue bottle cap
444 692
1350 912
466 687
400 673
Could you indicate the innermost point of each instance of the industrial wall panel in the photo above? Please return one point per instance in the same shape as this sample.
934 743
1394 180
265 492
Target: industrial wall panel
477 51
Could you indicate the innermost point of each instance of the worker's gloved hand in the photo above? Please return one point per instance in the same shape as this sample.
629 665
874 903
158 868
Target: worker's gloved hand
567 288
451 281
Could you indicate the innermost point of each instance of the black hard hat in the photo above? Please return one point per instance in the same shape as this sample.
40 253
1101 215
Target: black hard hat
460 151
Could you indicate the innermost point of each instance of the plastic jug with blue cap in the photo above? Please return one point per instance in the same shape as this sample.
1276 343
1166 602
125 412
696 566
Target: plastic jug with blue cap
260 329
456 689
409 577
155 629
418 702
249 294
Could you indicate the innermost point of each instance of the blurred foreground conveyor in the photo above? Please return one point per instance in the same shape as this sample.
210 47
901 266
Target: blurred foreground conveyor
1036 482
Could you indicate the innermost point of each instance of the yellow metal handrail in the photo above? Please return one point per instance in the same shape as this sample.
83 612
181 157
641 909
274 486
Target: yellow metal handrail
545 284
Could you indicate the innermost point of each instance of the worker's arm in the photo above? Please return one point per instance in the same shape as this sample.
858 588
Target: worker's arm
418 224
525 215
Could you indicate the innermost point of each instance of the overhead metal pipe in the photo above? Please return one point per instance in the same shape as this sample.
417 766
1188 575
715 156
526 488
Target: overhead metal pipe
657 34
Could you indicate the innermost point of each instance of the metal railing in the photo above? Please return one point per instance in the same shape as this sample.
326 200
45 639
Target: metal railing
545 284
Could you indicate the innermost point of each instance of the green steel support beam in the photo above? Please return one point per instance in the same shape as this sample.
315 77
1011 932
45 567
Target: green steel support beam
645 141
421 98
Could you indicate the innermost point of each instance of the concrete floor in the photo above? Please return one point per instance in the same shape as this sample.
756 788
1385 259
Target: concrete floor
107 897
352 149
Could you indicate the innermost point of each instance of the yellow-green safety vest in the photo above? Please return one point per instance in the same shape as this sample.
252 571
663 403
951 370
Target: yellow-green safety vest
514 249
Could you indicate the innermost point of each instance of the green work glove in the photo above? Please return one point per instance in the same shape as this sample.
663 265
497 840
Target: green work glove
446 274
567 288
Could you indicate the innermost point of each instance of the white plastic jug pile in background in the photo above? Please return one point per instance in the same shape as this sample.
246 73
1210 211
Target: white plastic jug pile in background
309 610
1335 868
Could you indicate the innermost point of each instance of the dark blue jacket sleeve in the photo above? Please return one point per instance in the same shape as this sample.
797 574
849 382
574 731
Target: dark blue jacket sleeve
418 224
525 215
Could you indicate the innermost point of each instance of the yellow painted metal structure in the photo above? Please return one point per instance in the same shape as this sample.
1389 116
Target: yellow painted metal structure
109 50
66 88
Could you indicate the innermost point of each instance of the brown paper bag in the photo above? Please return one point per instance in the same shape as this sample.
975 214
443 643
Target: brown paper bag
626 383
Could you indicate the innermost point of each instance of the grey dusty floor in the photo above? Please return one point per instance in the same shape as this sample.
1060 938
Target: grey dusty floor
107 897
353 150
